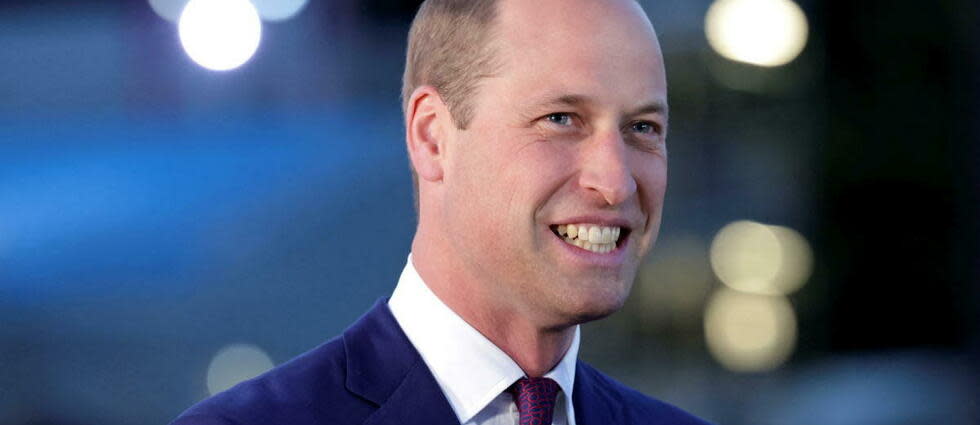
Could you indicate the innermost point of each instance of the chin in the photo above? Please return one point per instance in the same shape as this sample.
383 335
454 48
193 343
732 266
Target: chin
587 305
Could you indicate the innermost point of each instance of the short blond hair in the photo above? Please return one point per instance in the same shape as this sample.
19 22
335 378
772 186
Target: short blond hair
449 48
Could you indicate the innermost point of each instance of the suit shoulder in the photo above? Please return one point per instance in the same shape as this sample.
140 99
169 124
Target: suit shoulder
636 406
293 392
186 419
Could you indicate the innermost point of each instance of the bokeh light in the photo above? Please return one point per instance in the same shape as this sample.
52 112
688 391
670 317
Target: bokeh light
673 284
220 34
757 258
759 32
797 260
749 333
278 10
746 255
168 9
236 363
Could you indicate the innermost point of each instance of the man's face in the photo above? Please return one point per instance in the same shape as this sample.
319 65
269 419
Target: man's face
570 131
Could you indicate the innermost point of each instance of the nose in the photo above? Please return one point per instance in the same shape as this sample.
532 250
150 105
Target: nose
605 168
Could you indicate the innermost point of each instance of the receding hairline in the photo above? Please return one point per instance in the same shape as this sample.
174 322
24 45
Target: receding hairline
450 48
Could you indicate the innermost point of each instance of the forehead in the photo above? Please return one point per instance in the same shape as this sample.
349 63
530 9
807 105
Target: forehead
598 48
587 14
577 42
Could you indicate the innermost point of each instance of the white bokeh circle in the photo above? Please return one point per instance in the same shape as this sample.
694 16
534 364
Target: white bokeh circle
220 34
760 32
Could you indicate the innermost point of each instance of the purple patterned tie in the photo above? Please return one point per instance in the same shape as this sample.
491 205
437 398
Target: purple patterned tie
535 398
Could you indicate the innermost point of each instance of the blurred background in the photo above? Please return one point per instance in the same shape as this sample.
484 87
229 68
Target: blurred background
182 208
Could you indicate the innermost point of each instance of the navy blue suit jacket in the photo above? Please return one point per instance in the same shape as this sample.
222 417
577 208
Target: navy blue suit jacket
373 375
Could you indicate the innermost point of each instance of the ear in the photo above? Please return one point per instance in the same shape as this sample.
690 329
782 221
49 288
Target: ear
426 131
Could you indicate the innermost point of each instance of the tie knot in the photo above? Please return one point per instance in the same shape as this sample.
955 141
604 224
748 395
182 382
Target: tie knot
535 398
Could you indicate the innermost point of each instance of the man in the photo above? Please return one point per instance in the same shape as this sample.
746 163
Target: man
536 132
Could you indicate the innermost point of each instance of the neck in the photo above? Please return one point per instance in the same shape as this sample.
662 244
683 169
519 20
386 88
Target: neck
537 352
536 348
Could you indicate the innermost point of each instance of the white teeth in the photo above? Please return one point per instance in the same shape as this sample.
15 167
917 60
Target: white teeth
601 248
595 234
600 239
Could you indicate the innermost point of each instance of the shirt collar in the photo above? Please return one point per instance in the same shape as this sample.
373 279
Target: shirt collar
470 369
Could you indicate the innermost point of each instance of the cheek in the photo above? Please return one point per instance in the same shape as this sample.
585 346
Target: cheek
540 171
504 180
471 198
532 171
652 180
488 178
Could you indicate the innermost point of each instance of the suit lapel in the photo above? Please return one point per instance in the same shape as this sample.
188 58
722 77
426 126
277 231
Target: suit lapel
591 405
384 368
418 400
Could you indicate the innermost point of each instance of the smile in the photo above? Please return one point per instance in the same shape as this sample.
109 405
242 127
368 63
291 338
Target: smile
591 237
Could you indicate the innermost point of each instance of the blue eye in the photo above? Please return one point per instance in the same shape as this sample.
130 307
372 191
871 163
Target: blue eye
645 127
559 118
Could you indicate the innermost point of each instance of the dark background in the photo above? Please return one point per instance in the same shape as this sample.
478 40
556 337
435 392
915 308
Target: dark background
153 212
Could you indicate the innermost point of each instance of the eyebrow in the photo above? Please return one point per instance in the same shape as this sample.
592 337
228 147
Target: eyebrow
653 107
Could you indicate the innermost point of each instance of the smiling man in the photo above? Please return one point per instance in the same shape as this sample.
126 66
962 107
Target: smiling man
536 131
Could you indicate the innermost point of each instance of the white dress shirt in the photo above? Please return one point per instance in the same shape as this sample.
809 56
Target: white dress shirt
472 372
